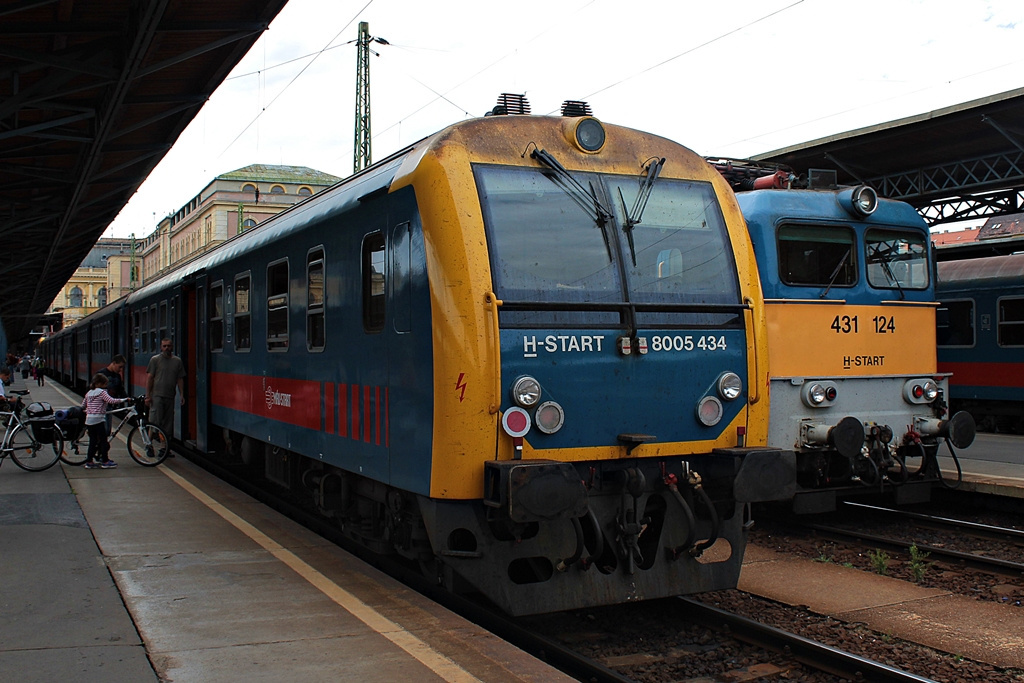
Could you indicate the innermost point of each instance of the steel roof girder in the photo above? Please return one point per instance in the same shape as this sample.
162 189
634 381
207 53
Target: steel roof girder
964 174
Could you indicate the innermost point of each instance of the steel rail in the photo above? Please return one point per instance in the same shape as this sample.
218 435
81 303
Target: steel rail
804 650
988 564
988 531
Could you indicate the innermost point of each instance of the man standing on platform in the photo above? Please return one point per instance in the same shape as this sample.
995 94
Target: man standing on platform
164 373
115 382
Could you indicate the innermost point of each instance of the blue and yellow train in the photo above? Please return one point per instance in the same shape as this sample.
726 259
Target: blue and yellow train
524 352
849 287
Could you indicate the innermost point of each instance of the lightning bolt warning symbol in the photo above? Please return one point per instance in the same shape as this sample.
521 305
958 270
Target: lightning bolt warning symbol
461 385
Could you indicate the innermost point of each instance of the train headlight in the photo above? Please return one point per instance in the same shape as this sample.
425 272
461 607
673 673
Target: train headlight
730 386
710 411
820 394
861 201
920 391
526 391
588 134
549 417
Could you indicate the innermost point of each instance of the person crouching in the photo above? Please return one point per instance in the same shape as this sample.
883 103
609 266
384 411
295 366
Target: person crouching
95 406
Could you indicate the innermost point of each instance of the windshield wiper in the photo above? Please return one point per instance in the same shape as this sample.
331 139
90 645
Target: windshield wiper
835 274
587 200
634 216
888 271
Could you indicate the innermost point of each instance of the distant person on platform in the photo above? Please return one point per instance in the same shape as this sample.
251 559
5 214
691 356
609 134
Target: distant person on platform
115 381
164 373
39 370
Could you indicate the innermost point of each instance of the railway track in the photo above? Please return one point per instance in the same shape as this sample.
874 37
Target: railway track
987 531
973 560
809 652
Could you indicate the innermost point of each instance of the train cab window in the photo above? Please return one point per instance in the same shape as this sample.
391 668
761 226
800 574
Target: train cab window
954 323
154 340
896 259
373 282
315 333
1011 321
216 313
136 339
277 306
817 256
243 317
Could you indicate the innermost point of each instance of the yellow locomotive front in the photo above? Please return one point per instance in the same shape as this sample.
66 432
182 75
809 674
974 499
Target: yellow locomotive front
598 357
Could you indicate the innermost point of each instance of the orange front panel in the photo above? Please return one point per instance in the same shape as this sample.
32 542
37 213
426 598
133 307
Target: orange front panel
841 340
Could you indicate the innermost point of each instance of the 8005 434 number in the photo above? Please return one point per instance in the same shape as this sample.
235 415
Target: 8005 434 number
688 342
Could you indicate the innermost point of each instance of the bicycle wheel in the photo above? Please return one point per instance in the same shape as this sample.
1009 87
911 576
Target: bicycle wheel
31 455
148 445
74 453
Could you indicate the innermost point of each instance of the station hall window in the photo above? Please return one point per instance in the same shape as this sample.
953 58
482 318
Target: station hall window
216 313
315 334
243 317
373 282
277 306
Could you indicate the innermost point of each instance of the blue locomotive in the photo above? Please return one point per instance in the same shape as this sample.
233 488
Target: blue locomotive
850 300
523 352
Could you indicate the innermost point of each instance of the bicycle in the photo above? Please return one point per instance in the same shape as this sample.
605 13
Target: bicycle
23 444
147 443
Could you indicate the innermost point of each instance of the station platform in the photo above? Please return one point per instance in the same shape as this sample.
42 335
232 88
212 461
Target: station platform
168 574
984 474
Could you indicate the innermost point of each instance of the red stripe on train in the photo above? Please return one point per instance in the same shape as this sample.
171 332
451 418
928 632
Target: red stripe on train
985 374
293 400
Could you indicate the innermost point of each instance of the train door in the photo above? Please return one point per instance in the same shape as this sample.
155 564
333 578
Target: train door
363 389
194 336
409 386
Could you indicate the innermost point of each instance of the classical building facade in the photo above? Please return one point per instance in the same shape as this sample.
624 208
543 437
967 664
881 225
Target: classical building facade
100 279
229 205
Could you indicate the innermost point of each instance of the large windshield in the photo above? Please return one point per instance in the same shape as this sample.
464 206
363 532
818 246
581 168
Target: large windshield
896 259
546 249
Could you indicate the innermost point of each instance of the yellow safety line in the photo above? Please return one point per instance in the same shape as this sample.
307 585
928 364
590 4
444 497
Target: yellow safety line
421 651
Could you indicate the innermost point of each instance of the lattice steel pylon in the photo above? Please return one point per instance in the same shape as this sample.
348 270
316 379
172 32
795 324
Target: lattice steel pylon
362 148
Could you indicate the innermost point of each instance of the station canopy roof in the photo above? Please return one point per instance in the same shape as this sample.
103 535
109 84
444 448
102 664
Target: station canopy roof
952 164
93 93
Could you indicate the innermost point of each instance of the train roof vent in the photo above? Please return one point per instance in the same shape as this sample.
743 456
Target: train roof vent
575 108
510 103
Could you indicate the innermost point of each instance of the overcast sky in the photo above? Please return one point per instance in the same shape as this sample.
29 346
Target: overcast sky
731 79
